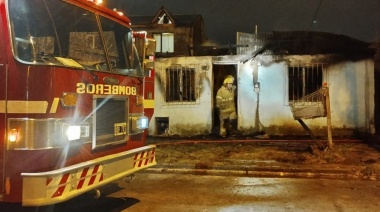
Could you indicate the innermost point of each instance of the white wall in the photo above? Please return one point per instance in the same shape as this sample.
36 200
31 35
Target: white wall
270 100
351 86
185 118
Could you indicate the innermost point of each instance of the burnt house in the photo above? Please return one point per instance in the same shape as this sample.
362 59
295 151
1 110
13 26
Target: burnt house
175 35
271 72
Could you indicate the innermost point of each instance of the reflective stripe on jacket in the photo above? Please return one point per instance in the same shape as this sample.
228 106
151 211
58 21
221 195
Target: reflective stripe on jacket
225 100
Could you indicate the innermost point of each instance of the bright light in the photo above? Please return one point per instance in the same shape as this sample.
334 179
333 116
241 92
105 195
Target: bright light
96 1
13 134
142 122
118 12
73 132
139 123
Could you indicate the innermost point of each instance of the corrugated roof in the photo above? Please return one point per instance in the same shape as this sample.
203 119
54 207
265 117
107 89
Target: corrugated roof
311 42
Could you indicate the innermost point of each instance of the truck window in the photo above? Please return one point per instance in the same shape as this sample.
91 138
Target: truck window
53 32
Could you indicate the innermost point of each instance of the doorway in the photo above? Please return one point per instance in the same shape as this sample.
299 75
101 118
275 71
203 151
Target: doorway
219 73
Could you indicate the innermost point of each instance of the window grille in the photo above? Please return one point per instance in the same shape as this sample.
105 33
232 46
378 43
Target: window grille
180 84
304 79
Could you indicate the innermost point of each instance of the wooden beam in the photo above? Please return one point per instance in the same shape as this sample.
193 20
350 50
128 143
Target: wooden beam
306 128
328 111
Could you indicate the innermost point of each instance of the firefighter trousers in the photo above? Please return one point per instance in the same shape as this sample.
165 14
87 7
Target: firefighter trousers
228 123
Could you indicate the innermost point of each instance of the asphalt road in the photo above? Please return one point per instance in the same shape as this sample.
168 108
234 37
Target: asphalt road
187 192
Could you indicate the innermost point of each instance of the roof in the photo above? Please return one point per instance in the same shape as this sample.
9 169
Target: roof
311 42
178 20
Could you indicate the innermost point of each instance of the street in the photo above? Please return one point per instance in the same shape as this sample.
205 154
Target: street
172 192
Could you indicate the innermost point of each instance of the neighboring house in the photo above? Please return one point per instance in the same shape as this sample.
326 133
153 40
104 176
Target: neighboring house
272 72
175 35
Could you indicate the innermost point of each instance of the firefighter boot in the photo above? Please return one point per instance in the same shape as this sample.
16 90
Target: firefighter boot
233 127
223 126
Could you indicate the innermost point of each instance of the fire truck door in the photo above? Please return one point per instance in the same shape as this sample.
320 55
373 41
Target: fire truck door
3 83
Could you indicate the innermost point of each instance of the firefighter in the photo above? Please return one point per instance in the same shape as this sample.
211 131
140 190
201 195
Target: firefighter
225 103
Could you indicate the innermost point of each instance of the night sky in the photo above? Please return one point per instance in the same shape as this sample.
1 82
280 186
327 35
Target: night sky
358 19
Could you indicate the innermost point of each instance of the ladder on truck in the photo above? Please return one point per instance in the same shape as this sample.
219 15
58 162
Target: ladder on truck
314 105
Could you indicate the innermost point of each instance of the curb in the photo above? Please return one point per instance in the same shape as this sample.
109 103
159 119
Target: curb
275 172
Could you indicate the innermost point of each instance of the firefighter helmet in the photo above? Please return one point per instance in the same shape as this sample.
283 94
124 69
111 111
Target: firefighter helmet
229 79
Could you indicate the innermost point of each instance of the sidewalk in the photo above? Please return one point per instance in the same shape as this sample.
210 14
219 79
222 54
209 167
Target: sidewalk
303 158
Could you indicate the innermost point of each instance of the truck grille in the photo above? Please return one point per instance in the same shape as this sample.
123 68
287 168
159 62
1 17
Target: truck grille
110 121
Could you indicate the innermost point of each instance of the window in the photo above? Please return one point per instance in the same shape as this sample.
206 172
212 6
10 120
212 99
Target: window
164 42
41 36
304 79
164 19
180 84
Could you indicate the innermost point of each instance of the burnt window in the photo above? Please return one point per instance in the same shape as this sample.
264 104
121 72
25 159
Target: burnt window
304 80
180 84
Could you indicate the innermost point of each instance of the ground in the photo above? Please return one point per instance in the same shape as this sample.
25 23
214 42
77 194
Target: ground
206 153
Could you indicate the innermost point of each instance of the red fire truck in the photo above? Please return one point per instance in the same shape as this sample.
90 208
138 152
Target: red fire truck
147 45
71 100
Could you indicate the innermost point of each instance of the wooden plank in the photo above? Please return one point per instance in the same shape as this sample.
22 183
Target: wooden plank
329 129
306 128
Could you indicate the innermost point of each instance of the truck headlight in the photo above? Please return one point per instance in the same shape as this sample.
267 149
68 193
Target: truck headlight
139 124
75 132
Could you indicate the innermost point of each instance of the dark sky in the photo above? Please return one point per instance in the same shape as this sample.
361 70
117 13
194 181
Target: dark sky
358 19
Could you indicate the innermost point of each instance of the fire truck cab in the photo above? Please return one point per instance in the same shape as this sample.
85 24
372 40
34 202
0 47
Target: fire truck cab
71 100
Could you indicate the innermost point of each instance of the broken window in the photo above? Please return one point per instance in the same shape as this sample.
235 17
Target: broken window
304 79
164 42
180 84
164 19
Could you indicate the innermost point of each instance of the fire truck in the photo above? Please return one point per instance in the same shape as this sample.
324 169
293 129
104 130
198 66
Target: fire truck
71 100
147 45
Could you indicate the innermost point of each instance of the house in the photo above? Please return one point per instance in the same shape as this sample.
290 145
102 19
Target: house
270 74
176 35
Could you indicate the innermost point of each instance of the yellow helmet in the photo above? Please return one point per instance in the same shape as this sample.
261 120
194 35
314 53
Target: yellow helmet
229 79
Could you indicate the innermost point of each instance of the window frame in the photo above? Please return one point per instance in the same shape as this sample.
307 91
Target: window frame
180 84
164 44
301 84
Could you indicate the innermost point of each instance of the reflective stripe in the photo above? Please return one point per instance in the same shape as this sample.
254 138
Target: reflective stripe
227 99
51 187
23 106
148 103
2 106
54 105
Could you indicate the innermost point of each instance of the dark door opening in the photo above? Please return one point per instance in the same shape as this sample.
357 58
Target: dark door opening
162 126
219 73
377 101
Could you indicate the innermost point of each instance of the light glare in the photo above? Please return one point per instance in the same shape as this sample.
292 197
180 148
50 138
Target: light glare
13 134
73 132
